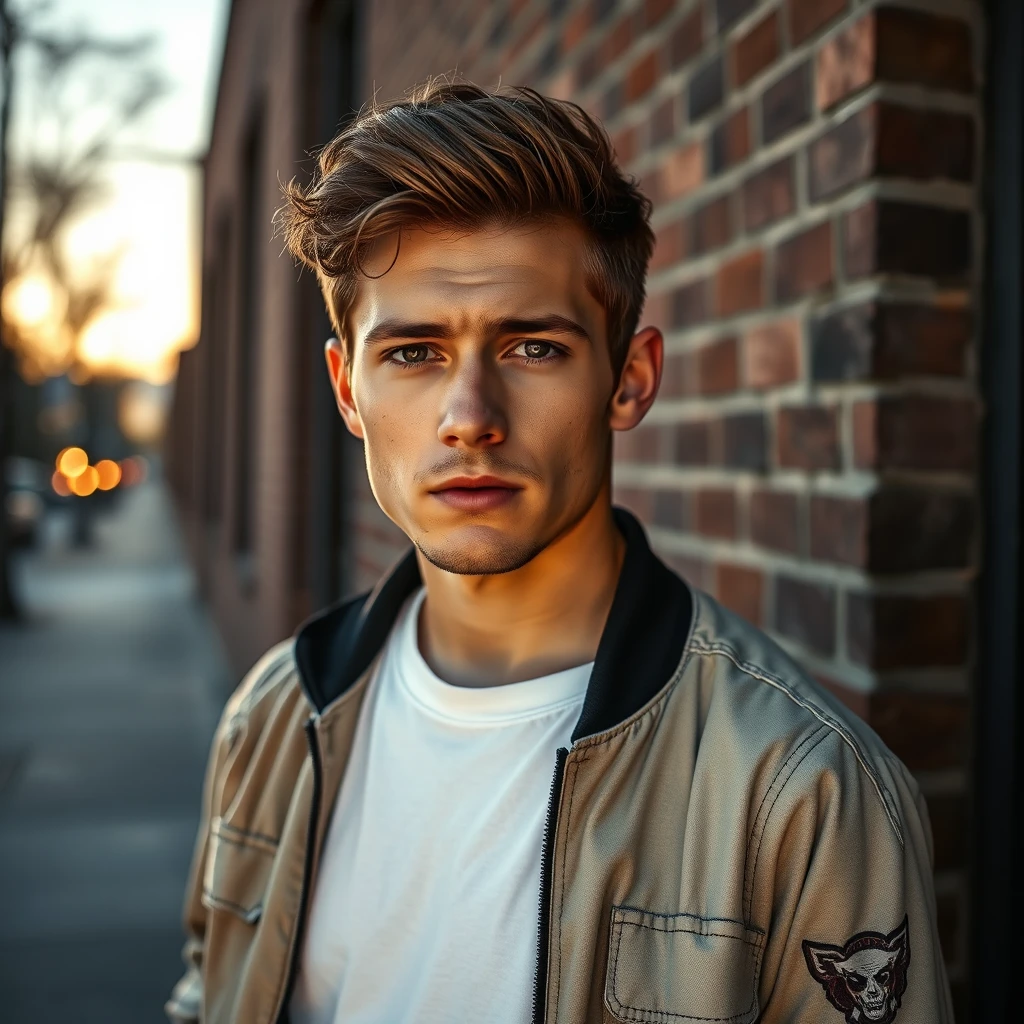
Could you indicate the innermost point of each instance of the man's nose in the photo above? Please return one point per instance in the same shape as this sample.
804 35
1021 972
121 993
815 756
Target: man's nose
473 414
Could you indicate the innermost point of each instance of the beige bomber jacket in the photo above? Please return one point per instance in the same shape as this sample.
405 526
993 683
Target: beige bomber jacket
725 843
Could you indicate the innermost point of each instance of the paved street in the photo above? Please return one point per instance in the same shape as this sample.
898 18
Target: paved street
108 699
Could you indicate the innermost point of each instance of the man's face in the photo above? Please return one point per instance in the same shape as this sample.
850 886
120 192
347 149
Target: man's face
481 353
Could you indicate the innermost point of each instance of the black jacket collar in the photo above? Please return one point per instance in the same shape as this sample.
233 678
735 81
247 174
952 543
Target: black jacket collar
639 649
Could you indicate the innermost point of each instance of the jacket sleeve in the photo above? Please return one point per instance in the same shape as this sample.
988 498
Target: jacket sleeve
183 1006
844 872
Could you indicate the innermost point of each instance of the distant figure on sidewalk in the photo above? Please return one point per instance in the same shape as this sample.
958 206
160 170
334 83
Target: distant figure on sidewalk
535 774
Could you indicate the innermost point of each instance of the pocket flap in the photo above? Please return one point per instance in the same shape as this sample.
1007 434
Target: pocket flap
238 866
683 967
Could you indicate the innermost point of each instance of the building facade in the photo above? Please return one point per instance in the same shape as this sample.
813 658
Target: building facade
817 458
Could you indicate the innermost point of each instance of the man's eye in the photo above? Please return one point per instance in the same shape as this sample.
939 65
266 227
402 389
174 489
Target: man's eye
410 355
538 350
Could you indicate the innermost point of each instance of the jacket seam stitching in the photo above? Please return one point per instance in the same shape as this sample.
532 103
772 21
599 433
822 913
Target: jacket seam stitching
821 732
756 672
242 837
642 1013
624 908
248 914
598 739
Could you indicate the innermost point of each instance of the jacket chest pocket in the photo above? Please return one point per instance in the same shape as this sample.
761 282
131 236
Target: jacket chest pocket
237 874
677 967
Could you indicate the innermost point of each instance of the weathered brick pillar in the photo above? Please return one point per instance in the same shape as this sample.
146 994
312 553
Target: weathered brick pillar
811 459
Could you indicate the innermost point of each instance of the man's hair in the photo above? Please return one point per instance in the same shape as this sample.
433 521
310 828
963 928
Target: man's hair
452 154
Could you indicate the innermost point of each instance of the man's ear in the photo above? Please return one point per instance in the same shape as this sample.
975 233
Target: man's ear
639 380
337 368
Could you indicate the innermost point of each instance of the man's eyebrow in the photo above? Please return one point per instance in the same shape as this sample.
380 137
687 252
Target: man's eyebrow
394 329
553 323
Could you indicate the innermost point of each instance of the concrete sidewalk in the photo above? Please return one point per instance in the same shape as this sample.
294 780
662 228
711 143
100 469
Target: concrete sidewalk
108 700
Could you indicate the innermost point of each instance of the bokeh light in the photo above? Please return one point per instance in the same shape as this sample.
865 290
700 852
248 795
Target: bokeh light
85 483
59 484
109 474
73 462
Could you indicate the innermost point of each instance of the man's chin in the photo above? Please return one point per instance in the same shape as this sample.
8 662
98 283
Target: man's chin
477 556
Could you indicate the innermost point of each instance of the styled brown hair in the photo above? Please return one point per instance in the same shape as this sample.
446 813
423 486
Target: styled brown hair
454 154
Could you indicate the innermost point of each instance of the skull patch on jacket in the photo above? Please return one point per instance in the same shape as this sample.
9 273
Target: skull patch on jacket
864 979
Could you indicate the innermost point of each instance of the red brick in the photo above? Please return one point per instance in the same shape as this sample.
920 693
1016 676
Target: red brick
846 63
924 144
885 139
706 89
718 367
710 226
664 120
575 27
715 512
917 530
681 172
916 432
642 444
729 11
756 50
774 520
808 16
742 441
786 104
618 40
655 11
670 509
806 612
625 143
741 589
674 373
803 263
928 732
690 304
771 354
885 341
892 44
769 194
692 443
526 37
729 141
807 437
902 631
740 283
895 237
669 246
839 530
641 76
687 39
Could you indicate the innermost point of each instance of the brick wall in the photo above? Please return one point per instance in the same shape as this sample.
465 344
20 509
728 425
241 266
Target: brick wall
811 459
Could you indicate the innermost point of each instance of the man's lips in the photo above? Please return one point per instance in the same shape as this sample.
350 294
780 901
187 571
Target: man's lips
475 493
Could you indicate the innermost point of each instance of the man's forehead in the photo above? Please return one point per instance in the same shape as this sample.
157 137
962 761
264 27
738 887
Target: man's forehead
484 274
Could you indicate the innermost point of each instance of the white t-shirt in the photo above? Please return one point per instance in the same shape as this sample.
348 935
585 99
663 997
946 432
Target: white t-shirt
426 901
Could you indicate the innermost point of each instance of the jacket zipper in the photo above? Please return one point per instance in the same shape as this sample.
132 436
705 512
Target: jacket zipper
307 871
540 984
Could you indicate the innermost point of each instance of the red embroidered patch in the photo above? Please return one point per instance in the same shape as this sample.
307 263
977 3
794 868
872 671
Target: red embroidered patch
864 979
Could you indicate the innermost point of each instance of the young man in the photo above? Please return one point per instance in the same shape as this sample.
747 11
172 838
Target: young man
534 775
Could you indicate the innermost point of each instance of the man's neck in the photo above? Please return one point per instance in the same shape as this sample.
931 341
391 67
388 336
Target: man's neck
542 618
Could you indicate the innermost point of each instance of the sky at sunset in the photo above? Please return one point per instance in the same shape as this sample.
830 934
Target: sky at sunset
152 208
